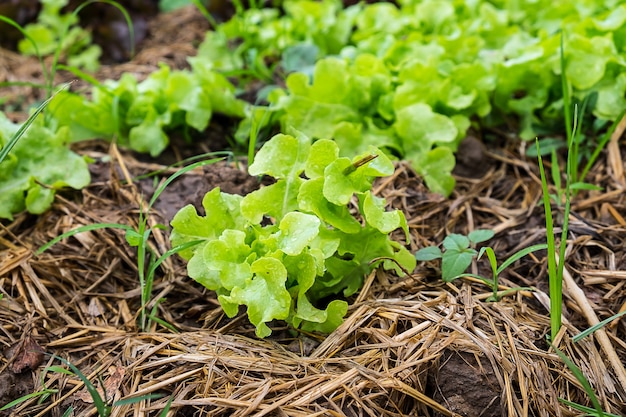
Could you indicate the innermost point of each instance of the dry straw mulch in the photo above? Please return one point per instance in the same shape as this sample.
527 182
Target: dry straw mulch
409 345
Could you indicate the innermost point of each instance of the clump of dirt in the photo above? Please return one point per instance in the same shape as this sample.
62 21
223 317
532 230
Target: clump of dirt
471 158
466 385
191 189
14 386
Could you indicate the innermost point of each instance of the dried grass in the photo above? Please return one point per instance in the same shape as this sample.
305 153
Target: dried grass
80 301
410 346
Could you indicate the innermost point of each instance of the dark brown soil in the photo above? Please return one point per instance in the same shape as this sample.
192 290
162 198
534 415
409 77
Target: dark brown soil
466 384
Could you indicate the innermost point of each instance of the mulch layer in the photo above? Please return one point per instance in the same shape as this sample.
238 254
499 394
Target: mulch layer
409 346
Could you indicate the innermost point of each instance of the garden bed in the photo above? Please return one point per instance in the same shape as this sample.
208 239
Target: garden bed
410 345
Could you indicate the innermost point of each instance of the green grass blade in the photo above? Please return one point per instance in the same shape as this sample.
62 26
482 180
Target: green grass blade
134 400
58 370
567 101
556 285
581 379
103 409
555 170
596 327
16 25
152 316
603 141
203 10
518 255
572 148
166 409
27 397
81 74
587 410
20 132
227 155
82 229
154 265
168 181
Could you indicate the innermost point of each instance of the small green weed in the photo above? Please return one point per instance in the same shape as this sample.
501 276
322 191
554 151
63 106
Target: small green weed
573 183
461 250
458 255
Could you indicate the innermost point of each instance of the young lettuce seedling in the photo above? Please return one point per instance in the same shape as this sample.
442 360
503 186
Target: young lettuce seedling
313 249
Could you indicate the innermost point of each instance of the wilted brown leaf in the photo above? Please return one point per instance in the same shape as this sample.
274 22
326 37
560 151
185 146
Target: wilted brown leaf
111 385
23 355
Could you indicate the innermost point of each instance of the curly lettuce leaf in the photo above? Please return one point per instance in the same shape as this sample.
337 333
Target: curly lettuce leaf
265 295
285 247
139 113
40 164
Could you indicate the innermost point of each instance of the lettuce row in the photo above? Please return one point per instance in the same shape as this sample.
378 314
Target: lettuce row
361 105
39 164
415 76
284 250
138 114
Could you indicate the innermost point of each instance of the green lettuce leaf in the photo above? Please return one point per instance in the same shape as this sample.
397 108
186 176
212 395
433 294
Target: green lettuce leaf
285 247
40 164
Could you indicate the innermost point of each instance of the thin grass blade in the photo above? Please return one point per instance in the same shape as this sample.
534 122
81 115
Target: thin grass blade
518 255
20 132
578 373
168 181
596 327
82 229
102 408
556 285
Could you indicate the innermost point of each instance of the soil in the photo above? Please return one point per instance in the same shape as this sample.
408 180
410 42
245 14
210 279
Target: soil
410 345
466 385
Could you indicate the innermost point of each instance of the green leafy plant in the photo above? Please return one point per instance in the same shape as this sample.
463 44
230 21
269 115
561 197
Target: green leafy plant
57 33
35 162
56 30
138 114
147 260
288 251
461 250
415 93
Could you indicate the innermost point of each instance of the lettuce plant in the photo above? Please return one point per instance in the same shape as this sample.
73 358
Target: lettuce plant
37 165
140 113
288 251
54 29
